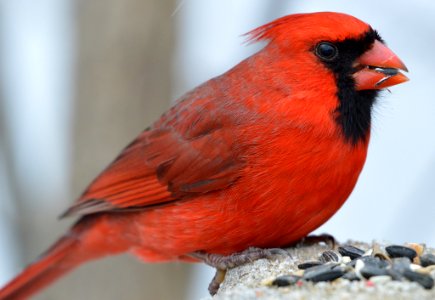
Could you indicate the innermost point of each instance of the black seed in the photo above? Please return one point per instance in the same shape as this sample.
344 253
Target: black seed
327 266
309 264
401 264
286 280
330 256
351 251
396 275
388 71
338 266
401 251
424 280
325 276
370 271
427 260
374 261
351 276
326 272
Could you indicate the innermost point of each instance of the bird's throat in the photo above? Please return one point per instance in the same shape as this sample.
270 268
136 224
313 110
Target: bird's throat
354 112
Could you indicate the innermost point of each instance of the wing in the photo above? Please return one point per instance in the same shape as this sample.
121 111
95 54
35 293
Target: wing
173 161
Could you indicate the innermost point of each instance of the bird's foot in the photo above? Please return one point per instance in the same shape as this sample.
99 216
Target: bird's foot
223 263
237 259
316 239
215 283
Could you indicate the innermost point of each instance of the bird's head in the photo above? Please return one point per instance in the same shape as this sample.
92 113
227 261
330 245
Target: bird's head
332 53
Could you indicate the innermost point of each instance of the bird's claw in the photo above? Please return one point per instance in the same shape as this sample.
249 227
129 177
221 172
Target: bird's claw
223 263
215 283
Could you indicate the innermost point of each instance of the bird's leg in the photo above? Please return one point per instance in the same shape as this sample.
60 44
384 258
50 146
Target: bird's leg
215 283
237 259
223 263
321 238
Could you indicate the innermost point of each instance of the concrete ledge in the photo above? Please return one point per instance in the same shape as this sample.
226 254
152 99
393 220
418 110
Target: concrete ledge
252 281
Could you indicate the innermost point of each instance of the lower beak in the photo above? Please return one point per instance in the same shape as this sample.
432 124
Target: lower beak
378 68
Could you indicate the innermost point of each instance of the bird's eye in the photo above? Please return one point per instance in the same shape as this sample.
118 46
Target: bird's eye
326 51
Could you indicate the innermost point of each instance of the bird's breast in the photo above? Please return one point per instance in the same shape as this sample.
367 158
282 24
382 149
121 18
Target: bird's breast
296 183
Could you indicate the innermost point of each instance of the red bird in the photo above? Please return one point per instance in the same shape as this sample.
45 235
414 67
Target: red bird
257 157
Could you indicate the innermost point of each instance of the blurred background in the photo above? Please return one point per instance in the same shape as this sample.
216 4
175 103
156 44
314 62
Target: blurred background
80 79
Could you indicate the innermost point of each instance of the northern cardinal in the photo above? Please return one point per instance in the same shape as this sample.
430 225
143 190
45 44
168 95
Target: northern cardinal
257 157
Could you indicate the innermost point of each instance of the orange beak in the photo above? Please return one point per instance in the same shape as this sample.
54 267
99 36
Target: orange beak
378 68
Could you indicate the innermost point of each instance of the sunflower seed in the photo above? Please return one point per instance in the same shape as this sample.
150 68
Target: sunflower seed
285 280
327 272
396 275
351 251
401 251
399 266
309 264
369 271
426 270
401 263
380 253
374 261
419 248
330 256
424 280
427 260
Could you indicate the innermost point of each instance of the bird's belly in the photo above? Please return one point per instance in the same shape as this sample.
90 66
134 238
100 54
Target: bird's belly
271 209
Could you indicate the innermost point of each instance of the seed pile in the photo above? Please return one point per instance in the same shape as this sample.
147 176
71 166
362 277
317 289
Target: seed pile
378 264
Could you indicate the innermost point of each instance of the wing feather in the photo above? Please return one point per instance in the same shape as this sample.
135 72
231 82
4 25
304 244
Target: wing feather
166 164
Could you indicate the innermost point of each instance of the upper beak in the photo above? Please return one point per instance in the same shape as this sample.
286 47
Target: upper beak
378 68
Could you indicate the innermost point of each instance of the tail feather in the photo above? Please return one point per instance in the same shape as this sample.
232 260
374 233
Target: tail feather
85 241
36 276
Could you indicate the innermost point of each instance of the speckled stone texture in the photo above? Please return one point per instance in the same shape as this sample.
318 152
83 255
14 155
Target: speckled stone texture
252 281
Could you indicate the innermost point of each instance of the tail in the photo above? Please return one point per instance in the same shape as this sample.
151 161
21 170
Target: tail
67 253
41 273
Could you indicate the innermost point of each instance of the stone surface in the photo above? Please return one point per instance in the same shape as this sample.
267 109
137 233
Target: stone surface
252 281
